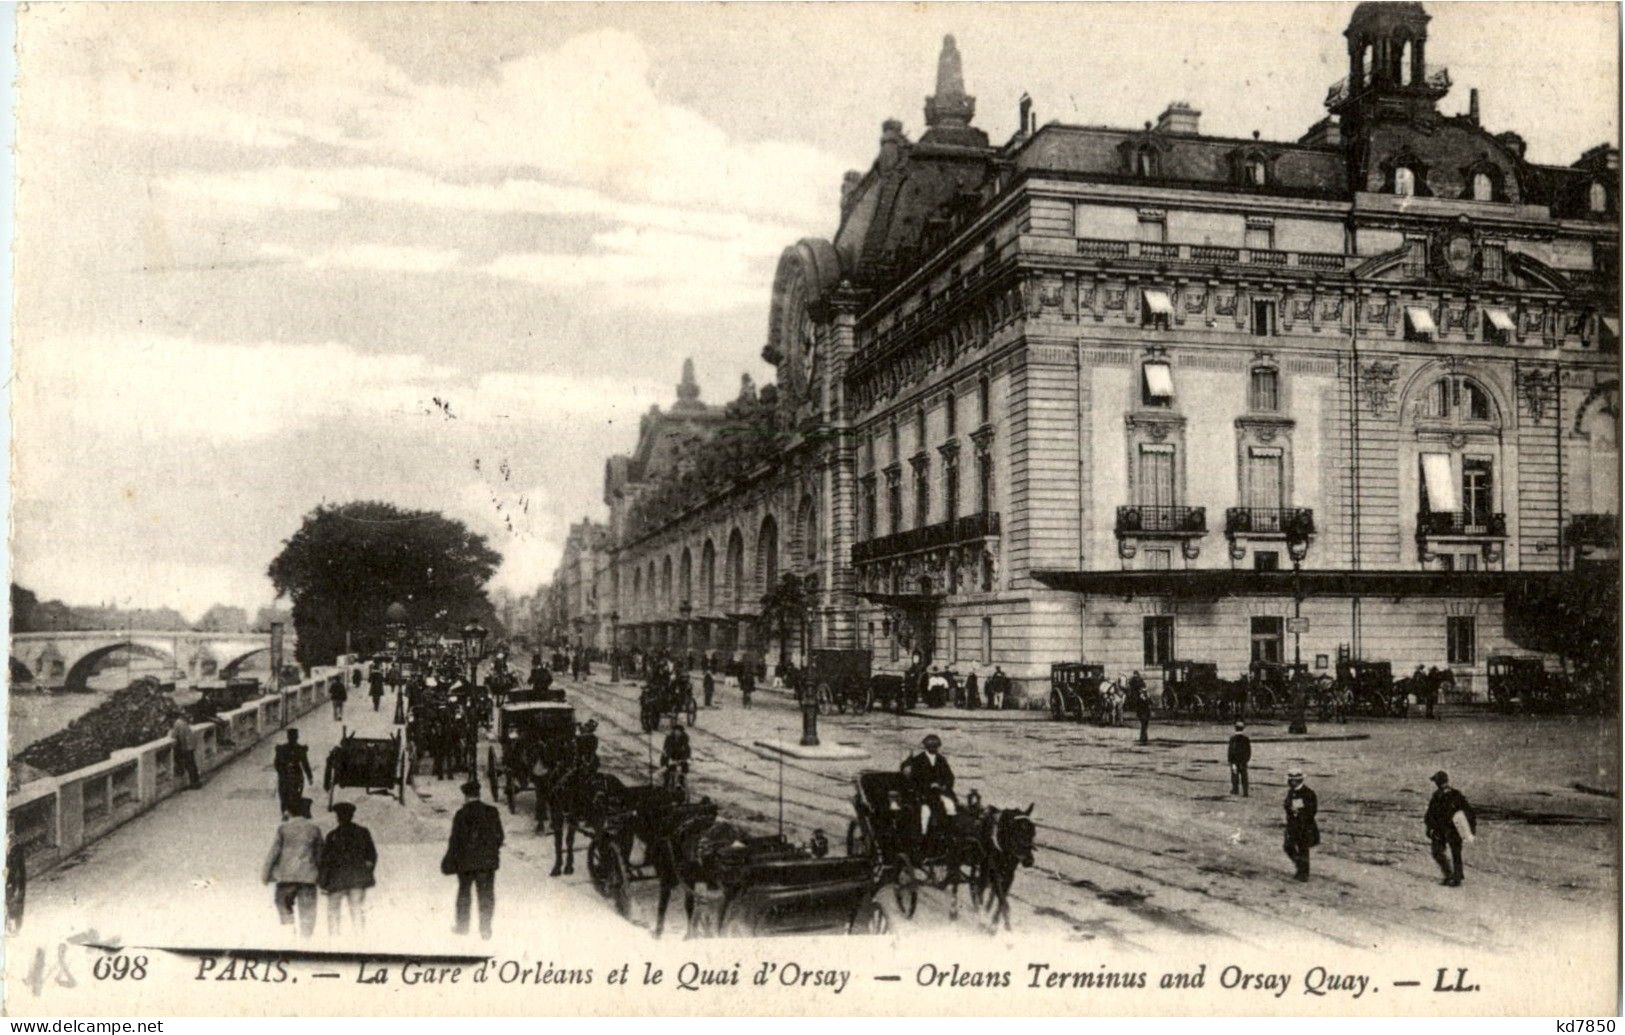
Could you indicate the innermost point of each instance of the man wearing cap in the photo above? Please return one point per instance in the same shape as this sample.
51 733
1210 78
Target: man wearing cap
348 860
1302 833
933 780
1444 829
473 855
294 866
1240 754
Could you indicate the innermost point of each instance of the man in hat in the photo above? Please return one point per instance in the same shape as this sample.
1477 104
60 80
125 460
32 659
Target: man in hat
1444 830
933 780
473 854
675 754
348 860
292 764
1302 833
1240 754
294 866
1140 701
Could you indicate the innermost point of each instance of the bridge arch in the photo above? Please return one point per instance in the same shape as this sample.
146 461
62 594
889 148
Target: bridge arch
20 672
231 668
81 670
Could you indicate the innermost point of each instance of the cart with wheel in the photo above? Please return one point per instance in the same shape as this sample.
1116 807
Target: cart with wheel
527 732
840 678
376 764
1074 690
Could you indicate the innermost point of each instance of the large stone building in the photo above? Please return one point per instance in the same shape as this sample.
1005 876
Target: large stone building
1095 394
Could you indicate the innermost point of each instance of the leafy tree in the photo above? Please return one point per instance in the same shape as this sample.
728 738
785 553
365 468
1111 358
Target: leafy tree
23 602
223 618
348 562
785 609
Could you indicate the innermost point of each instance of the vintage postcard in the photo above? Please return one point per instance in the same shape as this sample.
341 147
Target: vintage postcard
814 509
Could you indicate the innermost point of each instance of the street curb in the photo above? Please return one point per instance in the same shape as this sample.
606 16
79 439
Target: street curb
1270 740
980 715
822 753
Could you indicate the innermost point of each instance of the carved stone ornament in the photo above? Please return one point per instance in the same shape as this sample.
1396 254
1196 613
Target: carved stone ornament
1533 321
1538 386
1157 432
1376 310
1331 309
1192 549
1303 308
1265 433
1115 298
1225 305
1377 381
1127 548
1455 318
1195 300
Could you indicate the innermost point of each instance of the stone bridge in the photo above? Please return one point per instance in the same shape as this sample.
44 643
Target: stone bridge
66 660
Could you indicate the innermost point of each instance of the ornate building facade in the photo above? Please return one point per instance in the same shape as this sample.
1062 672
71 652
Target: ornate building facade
1138 395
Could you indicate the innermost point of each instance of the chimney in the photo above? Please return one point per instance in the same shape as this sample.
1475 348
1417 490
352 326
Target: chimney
891 142
1026 114
1472 105
1325 133
1512 142
1178 117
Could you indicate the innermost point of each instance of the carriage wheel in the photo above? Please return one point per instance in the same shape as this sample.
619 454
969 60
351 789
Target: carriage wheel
865 700
618 885
1057 709
857 839
870 918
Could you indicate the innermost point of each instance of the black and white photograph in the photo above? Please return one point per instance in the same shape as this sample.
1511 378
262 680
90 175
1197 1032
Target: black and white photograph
810 509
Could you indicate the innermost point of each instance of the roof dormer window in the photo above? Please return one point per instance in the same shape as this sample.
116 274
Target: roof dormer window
1145 163
1598 199
1404 182
1483 187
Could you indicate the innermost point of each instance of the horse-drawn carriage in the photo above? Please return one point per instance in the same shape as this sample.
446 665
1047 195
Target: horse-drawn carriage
1523 684
1368 688
977 847
528 732
770 886
379 765
892 691
667 696
839 678
1191 690
1080 691
634 833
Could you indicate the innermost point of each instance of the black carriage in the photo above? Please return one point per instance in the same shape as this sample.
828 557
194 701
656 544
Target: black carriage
527 732
840 678
1524 684
1368 688
667 698
376 764
892 691
886 828
780 888
1191 689
1075 690
633 831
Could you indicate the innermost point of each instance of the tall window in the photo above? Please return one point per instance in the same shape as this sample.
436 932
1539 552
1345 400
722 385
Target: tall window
1265 489
1405 64
894 501
1598 198
922 494
896 442
1263 317
1156 481
1404 182
950 487
987 641
1257 173
1159 640
1483 187
1260 238
919 428
867 504
949 416
1145 163
1461 639
1266 639
1477 490
1264 390
984 401
984 482
953 641
1365 66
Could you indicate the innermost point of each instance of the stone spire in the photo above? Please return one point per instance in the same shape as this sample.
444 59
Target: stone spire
948 111
688 390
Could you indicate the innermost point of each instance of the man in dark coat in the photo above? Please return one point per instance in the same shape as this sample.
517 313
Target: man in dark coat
747 683
675 755
1141 702
473 854
375 686
1302 833
338 694
933 781
1442 830
973 693
292 764
997 684
348 860
1240 754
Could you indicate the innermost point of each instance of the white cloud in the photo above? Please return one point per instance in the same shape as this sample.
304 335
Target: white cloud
379 257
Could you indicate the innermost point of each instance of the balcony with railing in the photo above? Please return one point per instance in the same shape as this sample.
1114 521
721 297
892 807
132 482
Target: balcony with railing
954 532
1152 521
1601 530
1211 254
1464 524
1292 522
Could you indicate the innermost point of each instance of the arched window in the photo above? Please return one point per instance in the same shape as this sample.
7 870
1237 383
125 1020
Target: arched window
637 586
1405 68
1597 475
807 528
708 573
767 555
1258 173
1457 398
665 582
1483 187
950 416
685 578
1404 182
1365 66
1599 198
734 569
1145 162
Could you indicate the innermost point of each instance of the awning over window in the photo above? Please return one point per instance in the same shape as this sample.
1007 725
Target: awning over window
1441 484
1158 302
1159 381
1610 327
1421 321
1499 319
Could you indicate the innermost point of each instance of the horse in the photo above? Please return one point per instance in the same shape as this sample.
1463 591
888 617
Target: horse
1006 838
573 791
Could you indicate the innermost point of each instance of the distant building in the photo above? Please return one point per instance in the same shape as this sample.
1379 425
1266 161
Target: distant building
1093 393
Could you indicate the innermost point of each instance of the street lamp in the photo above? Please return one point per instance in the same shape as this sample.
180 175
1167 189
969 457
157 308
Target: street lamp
614 647
1297 545
473 649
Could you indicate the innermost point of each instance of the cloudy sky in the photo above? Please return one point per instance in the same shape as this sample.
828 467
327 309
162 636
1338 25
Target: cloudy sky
270 256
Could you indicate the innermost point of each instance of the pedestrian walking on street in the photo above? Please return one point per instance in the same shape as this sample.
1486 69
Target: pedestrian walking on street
1142 704
337 694
375 687
292 765
348 860
747 683
709 684
1302 833
973 693
997 684
185 739
294 866
1240 754
473 855
1450 821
